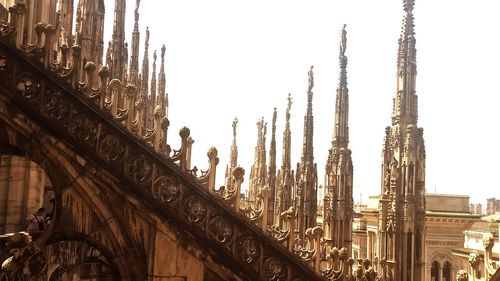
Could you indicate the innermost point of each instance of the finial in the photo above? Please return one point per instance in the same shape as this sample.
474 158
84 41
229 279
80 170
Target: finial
235 123
154 58
311 79
163 53
343 41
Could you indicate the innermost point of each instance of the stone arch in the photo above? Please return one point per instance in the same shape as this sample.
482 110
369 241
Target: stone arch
16 149
70 174
64 254
446 261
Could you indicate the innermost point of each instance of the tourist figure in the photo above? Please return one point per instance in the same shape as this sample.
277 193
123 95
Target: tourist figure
36 221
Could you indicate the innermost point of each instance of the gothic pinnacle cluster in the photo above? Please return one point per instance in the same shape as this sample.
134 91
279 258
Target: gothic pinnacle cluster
307 177
338 200
402 203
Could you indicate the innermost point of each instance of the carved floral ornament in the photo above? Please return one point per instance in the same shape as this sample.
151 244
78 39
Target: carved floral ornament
82 126
247 249
138 168
55 106
220 229
195 210
274 269
110 148
166 189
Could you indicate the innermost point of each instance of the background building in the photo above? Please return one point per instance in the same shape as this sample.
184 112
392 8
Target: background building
492 206
446 219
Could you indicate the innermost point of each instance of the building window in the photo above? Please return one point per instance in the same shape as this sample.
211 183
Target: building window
447 271
435 271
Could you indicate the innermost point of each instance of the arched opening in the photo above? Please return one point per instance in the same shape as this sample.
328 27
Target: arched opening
77 260
435 271
27 198
447 271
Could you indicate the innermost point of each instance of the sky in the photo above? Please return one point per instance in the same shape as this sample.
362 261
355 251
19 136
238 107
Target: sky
227 59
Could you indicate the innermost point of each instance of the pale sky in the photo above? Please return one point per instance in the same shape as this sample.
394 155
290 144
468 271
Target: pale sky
227 58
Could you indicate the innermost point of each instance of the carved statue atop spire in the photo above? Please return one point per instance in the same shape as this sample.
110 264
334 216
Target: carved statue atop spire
343 41
338 201
235 123
233 161
310 76
289 106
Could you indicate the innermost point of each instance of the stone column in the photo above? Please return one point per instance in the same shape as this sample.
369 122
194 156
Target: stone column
440 270
369 245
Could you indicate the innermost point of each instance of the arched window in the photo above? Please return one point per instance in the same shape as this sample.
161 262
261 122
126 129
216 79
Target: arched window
447 271
435 271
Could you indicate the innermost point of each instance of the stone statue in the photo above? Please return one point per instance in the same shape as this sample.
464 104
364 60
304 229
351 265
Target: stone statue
235 122
387 180
310 75
394 169
343 41
411 169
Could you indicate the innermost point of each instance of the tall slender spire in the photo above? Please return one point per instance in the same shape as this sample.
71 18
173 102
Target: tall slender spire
134 58
402 203
258 171
233 160
162 96
118 40
405 103
307 146
145 65
90 31
307 184
285 178
341 130
271 177
153 83
286 163
338 201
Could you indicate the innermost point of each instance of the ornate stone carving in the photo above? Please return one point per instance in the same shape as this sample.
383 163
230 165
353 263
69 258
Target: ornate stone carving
273 269
55 106
110 148
195 210
247 249
28 87
82 126
166 189
138 168
220 229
